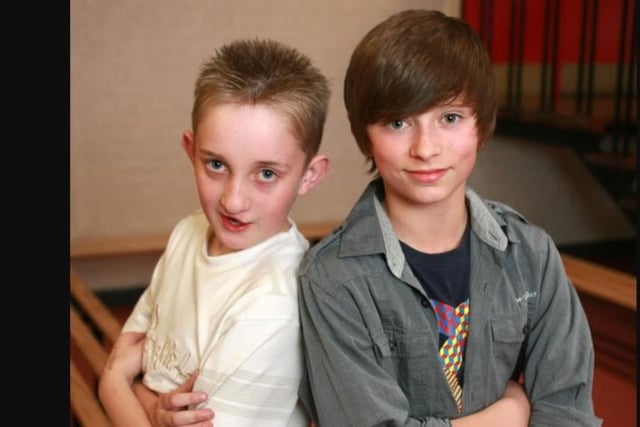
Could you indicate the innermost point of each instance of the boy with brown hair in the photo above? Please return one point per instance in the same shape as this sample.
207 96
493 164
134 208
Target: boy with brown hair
428 303
222 301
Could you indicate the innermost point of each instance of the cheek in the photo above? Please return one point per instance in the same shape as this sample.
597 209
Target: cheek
468 152
277 205
207 189
467 156
385 152
467 146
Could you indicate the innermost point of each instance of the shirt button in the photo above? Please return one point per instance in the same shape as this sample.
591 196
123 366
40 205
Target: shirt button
525 330
424 302
392 345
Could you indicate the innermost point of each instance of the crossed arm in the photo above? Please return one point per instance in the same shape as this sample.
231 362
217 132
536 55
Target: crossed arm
128 402
511 410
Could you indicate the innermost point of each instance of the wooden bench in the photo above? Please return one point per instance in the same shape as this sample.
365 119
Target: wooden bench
93 329
601 282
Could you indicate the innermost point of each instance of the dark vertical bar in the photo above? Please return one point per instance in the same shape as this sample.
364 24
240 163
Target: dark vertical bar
523 7
483 21
631 79
545 55
512 54
592 57
581 60
489 25
617 96
554 57
486 27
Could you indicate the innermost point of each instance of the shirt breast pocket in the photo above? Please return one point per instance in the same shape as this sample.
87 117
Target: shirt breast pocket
411 358
508 335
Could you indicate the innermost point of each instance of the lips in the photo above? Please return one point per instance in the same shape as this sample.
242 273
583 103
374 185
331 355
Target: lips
427 176
233 224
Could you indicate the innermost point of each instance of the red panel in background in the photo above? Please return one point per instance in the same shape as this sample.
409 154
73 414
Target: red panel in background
608 27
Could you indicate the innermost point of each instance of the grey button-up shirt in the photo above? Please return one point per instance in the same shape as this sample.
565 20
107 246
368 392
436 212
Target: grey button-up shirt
371 336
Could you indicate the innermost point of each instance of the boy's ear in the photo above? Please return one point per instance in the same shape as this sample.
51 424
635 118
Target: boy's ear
316 170
189 145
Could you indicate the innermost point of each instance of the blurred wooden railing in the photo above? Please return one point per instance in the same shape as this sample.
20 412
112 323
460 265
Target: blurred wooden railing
93 330
602 282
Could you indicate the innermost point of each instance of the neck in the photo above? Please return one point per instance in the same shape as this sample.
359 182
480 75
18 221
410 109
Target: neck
433 228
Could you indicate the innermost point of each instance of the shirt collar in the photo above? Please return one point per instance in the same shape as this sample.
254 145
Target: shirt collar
367 229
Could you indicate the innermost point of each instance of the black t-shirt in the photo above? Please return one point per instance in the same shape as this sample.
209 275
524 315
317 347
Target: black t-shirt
444 276
445 279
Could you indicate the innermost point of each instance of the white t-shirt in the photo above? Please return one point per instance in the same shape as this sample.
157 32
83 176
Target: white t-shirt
234 317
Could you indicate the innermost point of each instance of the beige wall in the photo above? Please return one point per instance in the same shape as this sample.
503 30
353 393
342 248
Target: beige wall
133 65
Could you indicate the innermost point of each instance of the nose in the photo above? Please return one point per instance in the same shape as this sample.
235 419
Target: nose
235 197
426 144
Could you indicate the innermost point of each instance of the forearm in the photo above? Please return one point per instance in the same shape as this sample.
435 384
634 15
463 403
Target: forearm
511 410
120 402
495 415
146 397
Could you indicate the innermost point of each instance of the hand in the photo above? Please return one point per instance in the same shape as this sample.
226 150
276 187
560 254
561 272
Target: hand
125 358
172 409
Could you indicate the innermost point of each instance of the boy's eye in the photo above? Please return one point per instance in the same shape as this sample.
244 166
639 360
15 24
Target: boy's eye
215 165
452 117
397 124
267 175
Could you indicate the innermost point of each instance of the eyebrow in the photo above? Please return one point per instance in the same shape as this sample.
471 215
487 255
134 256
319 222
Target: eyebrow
273 165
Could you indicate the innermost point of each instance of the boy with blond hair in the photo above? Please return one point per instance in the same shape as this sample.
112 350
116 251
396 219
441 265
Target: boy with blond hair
220 313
